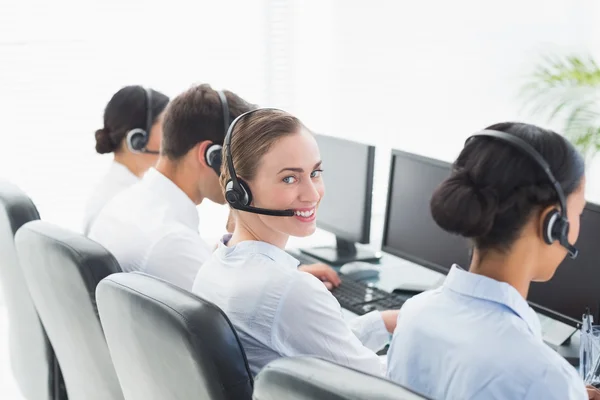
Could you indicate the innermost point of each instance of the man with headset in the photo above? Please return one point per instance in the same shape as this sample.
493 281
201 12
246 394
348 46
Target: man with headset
152 227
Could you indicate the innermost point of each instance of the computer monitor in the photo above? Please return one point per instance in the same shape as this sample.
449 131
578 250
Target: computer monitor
576 283
411 233
345 210
409 229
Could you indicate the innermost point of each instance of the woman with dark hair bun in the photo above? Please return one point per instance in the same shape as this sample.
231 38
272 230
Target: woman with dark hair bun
132 132
476 337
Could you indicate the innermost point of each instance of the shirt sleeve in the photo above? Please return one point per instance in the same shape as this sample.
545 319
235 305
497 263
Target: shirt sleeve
370 330
308 322
557 384
177 257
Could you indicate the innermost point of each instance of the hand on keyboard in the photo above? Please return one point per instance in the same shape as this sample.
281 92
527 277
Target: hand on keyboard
361 298
324 272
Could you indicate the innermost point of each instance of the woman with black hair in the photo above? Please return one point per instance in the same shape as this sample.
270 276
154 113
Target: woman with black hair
132 132
476 337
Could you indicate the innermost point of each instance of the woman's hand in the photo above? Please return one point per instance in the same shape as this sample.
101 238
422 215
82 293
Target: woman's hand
324 272
593 393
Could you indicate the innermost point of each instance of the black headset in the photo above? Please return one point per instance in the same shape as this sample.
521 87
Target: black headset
556 223
213 154
137 139
237 192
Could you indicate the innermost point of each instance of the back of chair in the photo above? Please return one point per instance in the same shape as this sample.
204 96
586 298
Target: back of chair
32 358
307 378
62 270
167 343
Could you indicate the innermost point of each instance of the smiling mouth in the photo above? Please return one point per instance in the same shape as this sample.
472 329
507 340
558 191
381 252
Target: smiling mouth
305 214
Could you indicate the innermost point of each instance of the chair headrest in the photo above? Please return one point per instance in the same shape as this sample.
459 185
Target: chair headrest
304 378
17 206
185 344
62 269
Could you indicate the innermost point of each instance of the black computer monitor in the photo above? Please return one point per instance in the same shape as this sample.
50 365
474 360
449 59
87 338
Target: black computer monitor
411 233
345 210
576 283
409 229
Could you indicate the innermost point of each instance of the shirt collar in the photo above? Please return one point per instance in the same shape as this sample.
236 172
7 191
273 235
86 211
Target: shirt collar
248 247
122 172
181 207
482 287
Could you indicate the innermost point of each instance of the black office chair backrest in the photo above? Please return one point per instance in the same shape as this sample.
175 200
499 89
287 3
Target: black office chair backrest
32 359
62 270
167 343
308 378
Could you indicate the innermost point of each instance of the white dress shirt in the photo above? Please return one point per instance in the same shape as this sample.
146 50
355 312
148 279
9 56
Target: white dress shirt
153 227
117 178
477 338
280 311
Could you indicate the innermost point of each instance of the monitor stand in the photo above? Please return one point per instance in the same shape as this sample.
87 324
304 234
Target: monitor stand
343 253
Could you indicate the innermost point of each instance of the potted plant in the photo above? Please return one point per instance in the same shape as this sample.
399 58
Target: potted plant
568 89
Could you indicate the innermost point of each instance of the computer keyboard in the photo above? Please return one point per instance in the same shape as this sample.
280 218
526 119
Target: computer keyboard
361 298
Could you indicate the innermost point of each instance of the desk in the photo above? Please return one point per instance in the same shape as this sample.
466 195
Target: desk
395 272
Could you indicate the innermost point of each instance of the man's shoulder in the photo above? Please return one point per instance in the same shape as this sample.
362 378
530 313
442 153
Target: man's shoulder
175 237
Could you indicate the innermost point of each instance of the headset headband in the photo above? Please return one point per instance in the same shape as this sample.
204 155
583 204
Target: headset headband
149 116
227 142
225 108
534 155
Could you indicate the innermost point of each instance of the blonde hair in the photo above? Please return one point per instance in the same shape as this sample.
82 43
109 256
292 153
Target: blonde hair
251 139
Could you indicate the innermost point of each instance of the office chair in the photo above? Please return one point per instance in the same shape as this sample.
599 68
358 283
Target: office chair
32 358
308 378
62 269
167 343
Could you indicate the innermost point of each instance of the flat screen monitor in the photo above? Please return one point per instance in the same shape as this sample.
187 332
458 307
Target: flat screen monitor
411 233
409 229
345 210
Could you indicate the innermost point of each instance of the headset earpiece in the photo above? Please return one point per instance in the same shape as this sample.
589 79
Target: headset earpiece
240 196
556 228
214 157
551 228
137 139
237 192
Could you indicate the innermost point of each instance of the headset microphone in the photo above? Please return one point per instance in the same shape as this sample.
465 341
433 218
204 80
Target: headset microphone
265 211
237 192
572 250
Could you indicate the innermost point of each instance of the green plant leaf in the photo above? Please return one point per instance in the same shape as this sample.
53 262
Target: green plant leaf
566 88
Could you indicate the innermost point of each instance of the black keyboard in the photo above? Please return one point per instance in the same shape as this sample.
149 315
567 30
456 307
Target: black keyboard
361 297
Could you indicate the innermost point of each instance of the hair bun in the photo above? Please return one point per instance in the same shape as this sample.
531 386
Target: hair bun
459 206
104 144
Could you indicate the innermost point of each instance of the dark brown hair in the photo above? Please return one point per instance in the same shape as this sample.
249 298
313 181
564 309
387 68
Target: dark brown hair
494 187
196 115
125 111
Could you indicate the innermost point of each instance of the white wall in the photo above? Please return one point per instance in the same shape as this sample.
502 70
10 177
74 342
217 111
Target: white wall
422 76
61 61
419 76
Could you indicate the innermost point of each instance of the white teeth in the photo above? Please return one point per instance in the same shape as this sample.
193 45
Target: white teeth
305 214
